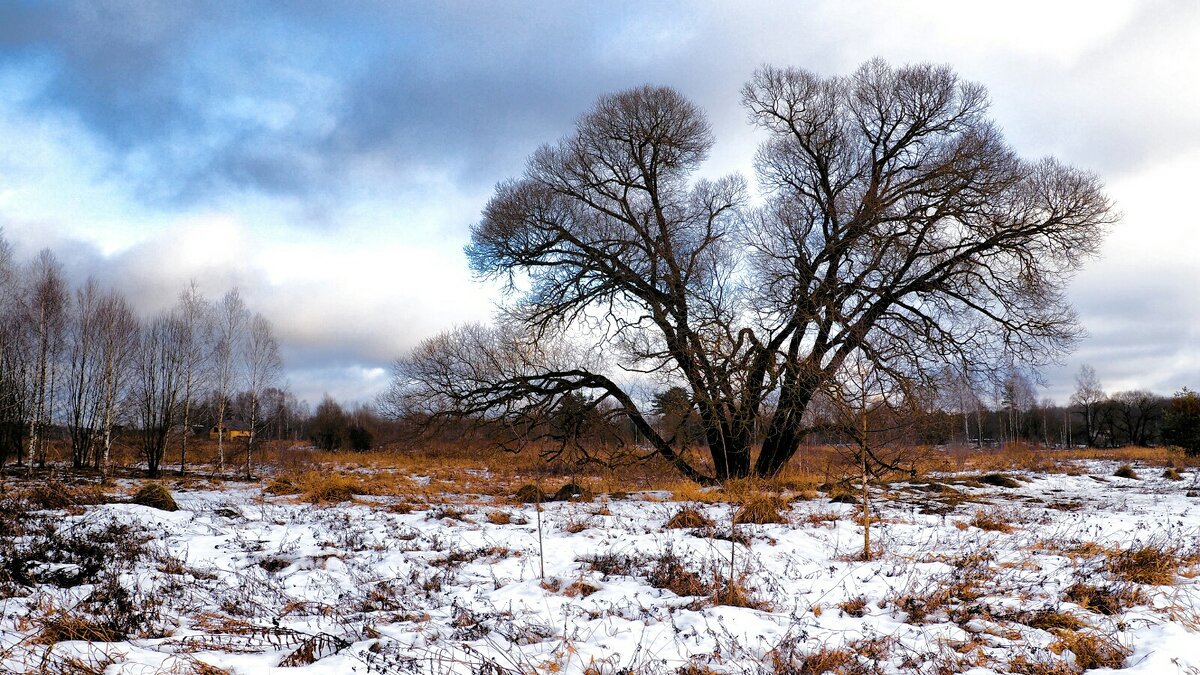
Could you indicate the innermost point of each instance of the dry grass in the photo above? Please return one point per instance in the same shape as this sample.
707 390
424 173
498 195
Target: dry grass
687 518
992 521
1155 563
1052 620
856 607
1107 600
1126 471
1092 650
761 509
999 480
155 496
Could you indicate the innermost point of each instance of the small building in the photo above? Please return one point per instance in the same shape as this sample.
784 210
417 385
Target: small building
234 429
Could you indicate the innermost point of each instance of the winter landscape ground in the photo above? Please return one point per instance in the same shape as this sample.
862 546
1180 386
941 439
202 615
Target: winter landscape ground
1062 567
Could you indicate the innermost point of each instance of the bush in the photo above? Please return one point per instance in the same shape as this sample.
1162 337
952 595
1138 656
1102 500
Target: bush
155 496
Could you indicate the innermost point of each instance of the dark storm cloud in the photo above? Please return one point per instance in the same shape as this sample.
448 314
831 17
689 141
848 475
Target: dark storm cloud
200 99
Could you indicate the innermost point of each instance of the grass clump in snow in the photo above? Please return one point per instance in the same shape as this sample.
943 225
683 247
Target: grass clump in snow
761 509
1126 471
1171 473
1154 563
155 496
999 480
330 488
1092 650
1107 600
687 518
529 494
991 521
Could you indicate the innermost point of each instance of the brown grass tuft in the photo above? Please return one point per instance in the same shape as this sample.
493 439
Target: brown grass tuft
1171 473
1154 563
999 480
1092 650
687 518
155 496
991 521
1106 600
1126 471
529 494
856 607
761 509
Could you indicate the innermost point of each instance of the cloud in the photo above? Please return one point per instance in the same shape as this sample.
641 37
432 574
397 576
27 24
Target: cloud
328 158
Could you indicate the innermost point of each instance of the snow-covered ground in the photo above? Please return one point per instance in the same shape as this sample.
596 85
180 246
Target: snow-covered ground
247 582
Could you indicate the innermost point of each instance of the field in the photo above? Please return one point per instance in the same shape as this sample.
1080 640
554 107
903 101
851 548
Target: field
1025 561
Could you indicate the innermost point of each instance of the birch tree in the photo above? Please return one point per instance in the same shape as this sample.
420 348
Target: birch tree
229 327
262 367
197 316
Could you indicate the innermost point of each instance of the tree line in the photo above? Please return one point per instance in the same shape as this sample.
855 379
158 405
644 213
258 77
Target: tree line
80 362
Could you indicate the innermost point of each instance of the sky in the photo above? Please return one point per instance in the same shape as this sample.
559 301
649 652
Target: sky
328 159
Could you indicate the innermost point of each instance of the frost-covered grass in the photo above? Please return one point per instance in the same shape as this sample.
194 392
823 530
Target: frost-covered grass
1058 574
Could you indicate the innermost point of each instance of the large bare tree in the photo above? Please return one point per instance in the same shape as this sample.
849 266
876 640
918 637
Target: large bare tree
896 225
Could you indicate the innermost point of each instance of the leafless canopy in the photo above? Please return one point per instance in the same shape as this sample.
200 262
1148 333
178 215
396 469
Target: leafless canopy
895 224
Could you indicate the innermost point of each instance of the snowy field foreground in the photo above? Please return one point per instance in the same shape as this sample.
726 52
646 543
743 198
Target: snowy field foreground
1095 570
